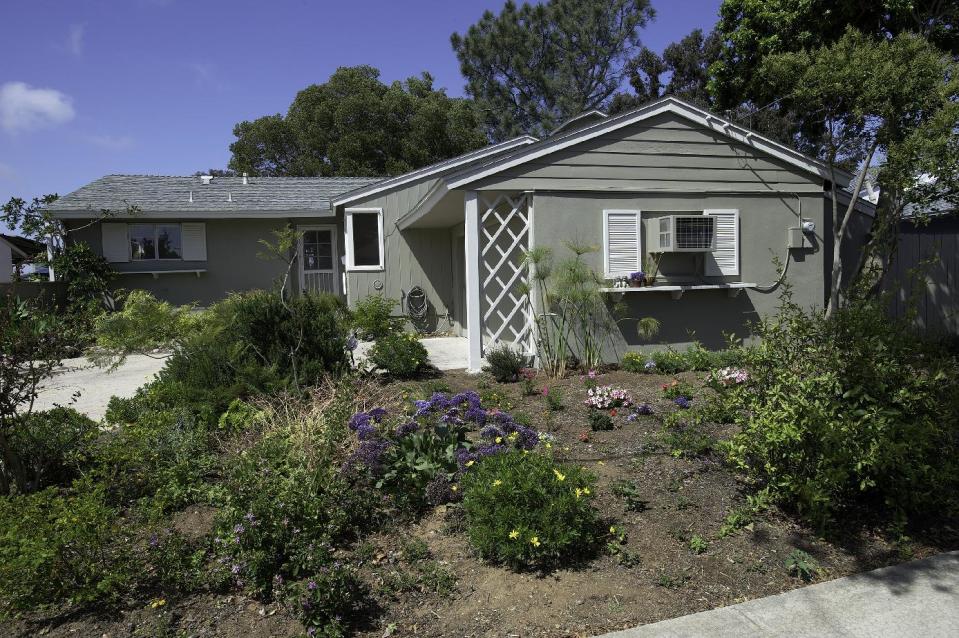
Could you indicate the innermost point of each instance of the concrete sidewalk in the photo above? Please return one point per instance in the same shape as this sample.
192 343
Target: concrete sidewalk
920 598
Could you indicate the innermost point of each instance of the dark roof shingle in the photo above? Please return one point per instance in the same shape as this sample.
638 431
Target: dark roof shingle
162 193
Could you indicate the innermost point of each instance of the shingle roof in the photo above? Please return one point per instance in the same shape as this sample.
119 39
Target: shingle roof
163 193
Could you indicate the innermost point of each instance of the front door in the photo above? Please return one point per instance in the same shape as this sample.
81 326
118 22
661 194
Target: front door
319 270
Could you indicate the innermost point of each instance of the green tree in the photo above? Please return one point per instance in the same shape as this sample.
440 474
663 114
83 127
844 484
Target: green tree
353 124
751 30
687 64
529 68
891 102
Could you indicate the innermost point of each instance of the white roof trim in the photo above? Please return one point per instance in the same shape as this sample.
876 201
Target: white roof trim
432 169
576 118
863 205
424 206
665 105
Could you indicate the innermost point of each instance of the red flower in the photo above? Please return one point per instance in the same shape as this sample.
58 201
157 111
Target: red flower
584 436
612 412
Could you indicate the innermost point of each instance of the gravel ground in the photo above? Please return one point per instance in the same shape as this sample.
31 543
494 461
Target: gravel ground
83 386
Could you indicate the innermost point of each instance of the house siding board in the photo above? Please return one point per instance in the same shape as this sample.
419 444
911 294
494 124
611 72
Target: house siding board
414 257
232 264
664 153
707 315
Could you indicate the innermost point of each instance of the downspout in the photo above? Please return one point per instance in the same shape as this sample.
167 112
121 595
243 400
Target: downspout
782 275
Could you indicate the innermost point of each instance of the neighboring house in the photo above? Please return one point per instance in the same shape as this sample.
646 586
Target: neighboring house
459 229
14 252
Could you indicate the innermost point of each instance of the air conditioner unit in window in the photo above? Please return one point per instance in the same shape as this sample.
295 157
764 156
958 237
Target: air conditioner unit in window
681 234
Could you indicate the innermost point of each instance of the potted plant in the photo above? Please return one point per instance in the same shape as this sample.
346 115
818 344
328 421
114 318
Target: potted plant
637 279
652 268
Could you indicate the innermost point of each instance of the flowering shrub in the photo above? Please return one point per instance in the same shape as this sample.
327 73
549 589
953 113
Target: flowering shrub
411 454
599 421
526 511
676 389
400 355
643 409
682 402
554 399
604 397
325 600
726 377
527 375
589 379
504 363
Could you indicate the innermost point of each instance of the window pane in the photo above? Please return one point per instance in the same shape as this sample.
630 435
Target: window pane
366 239
142 241
318 250
168 241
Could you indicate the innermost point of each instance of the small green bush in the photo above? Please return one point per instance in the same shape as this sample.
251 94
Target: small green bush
401 356
58 548
675 389
695 357
504 363
526 511
599 421
53 445
373 318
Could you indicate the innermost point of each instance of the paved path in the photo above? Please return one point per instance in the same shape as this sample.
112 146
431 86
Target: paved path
446 353
915 599
94 384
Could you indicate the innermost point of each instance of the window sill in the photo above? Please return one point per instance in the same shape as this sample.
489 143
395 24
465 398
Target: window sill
365 269
677 291
156 273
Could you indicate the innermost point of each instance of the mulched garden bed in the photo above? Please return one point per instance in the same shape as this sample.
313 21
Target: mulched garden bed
427 582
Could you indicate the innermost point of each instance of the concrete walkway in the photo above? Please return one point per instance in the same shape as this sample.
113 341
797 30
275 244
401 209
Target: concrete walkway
95 385
915 599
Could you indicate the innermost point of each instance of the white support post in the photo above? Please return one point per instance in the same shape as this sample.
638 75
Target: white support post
50 251
474 329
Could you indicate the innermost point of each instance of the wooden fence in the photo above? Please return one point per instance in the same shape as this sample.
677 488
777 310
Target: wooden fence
933 252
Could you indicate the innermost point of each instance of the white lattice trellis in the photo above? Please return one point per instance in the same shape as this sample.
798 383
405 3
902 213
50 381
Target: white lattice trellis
504 240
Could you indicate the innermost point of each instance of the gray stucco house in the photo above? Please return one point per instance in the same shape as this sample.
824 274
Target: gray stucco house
718 203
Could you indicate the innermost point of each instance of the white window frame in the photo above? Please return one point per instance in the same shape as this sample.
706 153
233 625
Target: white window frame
639 240
348 229
156 241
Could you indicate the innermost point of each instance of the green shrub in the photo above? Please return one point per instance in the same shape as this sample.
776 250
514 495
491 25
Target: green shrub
504 363
676 389
554 398
526 511
60 549
53 445
401 356
599 421
695 357
849 410
88 277
373 318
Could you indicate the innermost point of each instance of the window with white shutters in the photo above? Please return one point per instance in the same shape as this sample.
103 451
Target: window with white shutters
622 252
724 261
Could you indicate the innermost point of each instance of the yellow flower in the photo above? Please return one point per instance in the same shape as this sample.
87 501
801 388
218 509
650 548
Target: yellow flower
499 439
566 449
525 452
585 490
549 445
497 483
514 534
601 463
534 541
159 602
579 492
612 530
512 436
470 463
559 476
454 488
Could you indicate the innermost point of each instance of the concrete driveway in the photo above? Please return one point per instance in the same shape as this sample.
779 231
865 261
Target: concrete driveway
80 385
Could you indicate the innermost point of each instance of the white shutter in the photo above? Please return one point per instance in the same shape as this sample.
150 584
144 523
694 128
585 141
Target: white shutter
621 242
115 242
193 236
724 261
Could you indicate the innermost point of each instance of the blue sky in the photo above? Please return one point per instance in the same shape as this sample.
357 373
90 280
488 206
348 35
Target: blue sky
89 87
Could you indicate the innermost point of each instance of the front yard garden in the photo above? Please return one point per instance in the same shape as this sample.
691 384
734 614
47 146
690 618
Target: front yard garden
257 489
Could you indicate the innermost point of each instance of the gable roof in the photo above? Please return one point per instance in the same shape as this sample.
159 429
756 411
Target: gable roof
671 105
223 195
433 169
580 120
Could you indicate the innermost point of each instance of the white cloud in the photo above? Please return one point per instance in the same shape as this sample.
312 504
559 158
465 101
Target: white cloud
75 39
23 107
111 142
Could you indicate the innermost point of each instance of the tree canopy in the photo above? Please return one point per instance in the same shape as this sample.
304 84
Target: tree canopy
529 68
354 124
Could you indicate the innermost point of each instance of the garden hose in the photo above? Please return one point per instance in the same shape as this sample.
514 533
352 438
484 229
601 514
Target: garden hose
417 306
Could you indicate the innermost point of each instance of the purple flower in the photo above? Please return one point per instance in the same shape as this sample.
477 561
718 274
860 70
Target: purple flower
238 528
644 409
369 454
311 585
476 414
377 414
492 432
365 432
682 402
406 428
358 419
249 517
154 540
235 569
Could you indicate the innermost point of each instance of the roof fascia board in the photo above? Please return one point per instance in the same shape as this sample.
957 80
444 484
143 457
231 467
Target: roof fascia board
666 105
863 206
425 205
14 249
194 214
433 169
